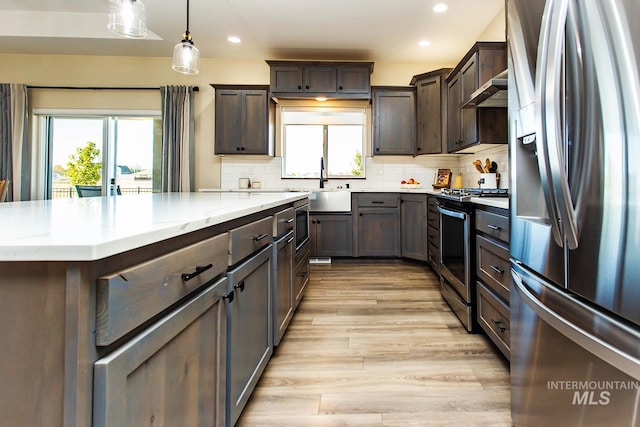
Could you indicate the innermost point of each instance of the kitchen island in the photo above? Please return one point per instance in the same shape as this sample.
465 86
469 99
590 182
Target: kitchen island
103 298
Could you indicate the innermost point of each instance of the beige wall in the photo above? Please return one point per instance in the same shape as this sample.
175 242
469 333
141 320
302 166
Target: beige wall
496 30
76 70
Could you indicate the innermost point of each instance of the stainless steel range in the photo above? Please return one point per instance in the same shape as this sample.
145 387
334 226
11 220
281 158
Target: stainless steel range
457 249
457 255
464 194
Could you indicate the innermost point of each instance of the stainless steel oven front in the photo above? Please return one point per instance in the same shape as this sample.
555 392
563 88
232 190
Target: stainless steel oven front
456 258
302 224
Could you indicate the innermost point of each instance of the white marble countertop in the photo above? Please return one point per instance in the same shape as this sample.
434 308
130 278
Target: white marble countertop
422 190
498 202
97 227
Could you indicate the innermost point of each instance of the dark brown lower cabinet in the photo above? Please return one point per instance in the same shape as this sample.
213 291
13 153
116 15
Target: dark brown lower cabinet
433 233
172 373
413 223
492 268
284 251
379 232
331 235
301 273
249 329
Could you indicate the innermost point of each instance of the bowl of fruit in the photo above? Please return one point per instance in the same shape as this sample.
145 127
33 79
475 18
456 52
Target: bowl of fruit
410 183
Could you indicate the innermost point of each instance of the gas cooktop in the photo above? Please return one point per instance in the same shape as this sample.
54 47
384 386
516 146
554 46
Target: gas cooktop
463 194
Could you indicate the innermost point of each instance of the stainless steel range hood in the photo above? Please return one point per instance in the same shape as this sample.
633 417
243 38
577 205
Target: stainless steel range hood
491 94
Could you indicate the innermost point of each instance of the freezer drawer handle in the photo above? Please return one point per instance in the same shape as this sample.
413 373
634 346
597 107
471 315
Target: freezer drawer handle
188 276
494 227
497 269
617 357
498 324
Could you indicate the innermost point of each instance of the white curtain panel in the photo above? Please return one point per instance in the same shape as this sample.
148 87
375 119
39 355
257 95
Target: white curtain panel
177 139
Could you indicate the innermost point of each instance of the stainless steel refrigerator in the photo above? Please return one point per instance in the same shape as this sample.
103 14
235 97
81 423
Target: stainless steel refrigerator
574 113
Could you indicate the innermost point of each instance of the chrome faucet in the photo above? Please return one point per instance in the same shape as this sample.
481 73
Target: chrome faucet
322 179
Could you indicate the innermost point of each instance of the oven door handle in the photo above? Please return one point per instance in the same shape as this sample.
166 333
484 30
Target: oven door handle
455 214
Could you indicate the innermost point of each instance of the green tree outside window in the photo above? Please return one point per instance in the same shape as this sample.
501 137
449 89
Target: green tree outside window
82 167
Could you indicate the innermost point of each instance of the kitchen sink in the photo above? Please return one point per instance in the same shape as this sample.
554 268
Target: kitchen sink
330 201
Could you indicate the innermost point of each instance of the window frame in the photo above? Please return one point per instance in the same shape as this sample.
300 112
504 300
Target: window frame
43 168
363 110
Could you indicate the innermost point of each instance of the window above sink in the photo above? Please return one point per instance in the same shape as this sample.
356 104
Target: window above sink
336 134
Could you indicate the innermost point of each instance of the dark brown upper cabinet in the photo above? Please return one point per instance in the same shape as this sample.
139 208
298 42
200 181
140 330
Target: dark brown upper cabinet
301 79
431 111
469 128
394 125
244 120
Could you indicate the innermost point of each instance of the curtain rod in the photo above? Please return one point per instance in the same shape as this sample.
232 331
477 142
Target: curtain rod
195 88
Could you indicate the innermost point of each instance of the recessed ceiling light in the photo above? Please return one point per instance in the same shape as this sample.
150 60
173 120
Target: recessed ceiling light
234 39
440 8
424 43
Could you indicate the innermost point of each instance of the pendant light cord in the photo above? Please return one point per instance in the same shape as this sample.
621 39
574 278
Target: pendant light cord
187 34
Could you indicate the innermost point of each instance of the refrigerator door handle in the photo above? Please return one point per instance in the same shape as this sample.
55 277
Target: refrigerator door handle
548 130
615 354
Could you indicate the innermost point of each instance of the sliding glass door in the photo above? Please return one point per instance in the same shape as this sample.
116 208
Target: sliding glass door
101 151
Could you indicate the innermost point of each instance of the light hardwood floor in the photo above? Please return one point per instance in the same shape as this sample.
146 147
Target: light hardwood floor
374 344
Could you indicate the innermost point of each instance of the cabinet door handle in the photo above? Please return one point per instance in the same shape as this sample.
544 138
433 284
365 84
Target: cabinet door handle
299 87
494 227
290 220
290 240
237 148
498 324
239 286
306 87
228 296
188 276
496 269
260 237
360 214
339 87
377 149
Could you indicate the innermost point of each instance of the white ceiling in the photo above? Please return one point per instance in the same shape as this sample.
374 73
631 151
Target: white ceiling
384 30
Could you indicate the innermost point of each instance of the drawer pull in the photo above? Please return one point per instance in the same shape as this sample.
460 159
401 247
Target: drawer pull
494 227
378 202
498 324
228 296
188 276
497 269
239 286
260 237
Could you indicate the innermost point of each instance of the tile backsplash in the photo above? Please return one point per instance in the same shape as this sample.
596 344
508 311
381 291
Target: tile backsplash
383 172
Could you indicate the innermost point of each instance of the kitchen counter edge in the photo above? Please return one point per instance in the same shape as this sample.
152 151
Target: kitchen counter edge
93 228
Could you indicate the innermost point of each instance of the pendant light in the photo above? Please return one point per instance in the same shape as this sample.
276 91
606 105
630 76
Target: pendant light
127 18
186 56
